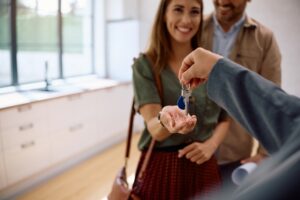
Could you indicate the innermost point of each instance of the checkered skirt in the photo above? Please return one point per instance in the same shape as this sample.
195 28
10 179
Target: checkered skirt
168 177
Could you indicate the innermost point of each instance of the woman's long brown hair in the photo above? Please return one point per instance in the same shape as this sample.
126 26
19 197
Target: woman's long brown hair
159 49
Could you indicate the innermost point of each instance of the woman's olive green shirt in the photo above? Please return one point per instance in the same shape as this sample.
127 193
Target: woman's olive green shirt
145 92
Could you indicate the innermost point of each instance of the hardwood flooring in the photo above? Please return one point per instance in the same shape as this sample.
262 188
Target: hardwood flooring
90 180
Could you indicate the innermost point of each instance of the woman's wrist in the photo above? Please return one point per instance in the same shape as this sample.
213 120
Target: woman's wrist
162 125
159 120
213 144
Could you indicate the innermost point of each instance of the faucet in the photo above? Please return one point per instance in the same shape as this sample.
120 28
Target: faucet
47 82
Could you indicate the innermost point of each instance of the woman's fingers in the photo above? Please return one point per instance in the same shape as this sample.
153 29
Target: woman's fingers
176 121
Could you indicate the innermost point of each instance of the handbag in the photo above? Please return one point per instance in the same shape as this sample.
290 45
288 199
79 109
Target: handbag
120 188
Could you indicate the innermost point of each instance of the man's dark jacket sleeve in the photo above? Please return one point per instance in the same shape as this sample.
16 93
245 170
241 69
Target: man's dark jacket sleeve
270 115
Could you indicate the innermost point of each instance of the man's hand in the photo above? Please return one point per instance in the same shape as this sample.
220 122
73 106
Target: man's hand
256 159
196 67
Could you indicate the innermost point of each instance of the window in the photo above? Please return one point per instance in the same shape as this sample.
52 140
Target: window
77 37
58 34
37 39
5 64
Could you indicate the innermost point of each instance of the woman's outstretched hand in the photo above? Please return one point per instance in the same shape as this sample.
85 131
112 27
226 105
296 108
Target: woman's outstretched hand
176 121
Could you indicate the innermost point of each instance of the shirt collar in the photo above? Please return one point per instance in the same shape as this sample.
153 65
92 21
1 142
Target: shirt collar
236 25
249 22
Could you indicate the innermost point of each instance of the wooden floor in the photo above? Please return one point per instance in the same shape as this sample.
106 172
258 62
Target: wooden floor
91 180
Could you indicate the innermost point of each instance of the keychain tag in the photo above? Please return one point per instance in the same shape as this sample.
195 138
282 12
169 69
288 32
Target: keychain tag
183 101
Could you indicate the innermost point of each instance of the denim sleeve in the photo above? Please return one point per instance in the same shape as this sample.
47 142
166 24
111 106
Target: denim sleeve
264 109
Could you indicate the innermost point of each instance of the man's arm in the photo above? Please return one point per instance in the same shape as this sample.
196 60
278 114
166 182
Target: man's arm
269 114
270 69
261 107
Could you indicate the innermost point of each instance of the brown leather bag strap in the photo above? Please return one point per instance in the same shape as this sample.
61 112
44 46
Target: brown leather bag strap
130 126
146 160
152 144
129 132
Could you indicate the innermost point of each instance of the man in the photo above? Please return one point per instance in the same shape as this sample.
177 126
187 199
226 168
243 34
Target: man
274 120
231 33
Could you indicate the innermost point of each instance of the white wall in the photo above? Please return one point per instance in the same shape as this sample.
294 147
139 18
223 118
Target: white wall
147 13
279 15
283 18
122 37
123 42
121 9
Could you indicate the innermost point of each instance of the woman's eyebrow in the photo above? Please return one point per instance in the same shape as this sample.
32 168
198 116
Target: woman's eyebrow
196 8
178 5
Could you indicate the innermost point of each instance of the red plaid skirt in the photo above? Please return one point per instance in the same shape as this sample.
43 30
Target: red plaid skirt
168 177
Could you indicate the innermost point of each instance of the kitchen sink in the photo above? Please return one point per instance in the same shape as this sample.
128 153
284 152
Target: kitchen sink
50 92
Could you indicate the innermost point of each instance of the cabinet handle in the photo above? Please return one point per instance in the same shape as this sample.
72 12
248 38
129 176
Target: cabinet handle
24 108
26 127
76 127
74 97
28 144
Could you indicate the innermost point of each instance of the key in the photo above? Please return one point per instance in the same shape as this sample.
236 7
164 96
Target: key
186 93
183 101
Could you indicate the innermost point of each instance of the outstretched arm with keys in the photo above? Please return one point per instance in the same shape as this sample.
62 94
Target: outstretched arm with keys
197 151
265 110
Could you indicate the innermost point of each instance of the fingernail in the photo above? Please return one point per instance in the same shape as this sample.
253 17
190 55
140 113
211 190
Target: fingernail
179 154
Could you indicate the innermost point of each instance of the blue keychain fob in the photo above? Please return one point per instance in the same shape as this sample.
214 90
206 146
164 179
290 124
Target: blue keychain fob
184 99
180 103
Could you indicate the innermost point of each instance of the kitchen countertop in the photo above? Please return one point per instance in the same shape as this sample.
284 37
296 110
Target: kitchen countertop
22 97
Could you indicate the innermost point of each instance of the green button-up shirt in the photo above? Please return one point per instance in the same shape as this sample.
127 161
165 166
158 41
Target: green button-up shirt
145 92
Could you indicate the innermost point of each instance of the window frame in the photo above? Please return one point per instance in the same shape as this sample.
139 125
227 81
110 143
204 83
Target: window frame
12 4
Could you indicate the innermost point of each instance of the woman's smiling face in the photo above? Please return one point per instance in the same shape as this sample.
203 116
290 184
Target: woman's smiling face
183 19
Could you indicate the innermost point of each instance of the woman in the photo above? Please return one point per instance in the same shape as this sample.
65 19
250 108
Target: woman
182 164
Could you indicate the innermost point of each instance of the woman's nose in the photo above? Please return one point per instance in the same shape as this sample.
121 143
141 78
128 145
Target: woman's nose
186 18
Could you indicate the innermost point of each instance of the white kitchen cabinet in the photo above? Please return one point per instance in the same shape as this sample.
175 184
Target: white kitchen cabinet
72 125
66 142
26 159
117 117
113 110
48 134
22 115
20 133
2 175
23 123
89 119
24 140
2 169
